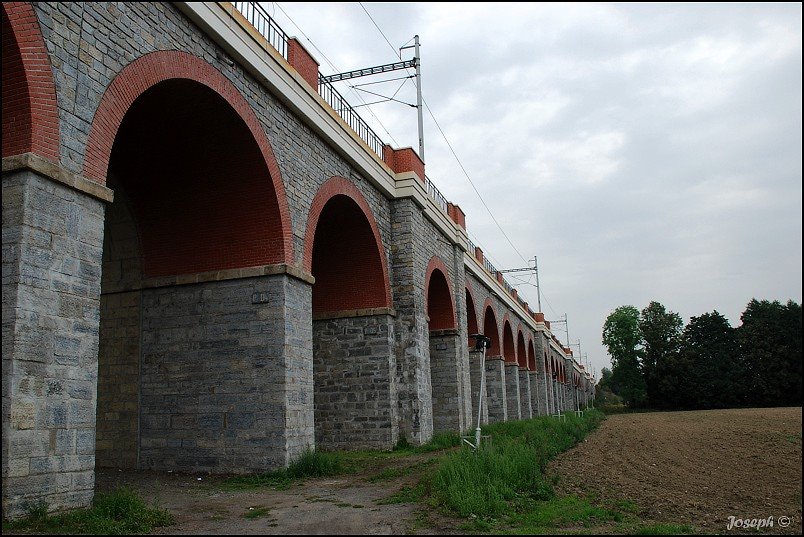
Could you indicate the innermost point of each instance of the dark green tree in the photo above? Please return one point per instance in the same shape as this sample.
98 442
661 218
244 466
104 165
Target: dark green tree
622 337
661 335
711 376
770 344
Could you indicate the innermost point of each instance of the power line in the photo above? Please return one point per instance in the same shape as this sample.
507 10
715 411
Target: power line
452 150
334 68
432 115
378 28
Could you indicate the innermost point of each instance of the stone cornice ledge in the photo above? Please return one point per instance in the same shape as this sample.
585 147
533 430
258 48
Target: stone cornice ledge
367 312
54 172
229 274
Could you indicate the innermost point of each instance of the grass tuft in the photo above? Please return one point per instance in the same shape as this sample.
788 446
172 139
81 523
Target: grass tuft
309 464
121 512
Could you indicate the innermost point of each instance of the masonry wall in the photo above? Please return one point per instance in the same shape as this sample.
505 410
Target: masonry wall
496 389
446 377
476 363
524 394
221 383
52 238
355 385
535 394
512 396
118 381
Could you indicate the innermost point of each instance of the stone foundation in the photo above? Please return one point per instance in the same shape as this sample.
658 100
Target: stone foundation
355 393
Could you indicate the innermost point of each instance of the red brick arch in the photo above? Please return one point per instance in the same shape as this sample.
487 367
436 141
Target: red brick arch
440 308
508 344
373 293
472 326
145 72
521 352
30 109
531 355
491 328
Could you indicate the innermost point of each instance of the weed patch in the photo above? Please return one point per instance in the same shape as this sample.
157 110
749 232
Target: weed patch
121 512
309 464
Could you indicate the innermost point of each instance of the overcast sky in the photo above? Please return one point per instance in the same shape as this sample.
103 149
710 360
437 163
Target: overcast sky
642 152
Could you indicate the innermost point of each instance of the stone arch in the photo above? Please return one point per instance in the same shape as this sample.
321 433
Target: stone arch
440 300
343 250
352 328
30 109
508 347
521 353
491 329
223 233
471 314
198 200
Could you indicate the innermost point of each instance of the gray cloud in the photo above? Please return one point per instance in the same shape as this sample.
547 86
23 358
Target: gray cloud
643 152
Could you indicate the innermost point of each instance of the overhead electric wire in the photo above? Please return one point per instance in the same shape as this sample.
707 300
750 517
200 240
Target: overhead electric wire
452 150
334 68
429 110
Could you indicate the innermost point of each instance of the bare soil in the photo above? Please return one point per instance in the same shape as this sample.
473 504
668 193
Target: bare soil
694 468
685 468
342 505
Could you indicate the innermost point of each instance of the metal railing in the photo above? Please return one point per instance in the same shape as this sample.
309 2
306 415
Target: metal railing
352 118
278 39
471 246
265 25
508 287
436 194
489 267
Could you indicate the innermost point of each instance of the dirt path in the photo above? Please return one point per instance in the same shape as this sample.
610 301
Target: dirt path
695 468
345 505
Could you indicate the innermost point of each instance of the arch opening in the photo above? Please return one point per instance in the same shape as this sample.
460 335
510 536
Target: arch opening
471 318
352 339
439 302
509 351
445 351
193 194
346 261
491 331
522 357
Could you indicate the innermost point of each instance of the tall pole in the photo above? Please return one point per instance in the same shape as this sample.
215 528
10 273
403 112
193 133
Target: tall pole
480 396
538 289
419 95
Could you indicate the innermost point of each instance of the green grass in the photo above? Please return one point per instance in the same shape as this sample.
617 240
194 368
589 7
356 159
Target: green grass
121 512
309 464
488 483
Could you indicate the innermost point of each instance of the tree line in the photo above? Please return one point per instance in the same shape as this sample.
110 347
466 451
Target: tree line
657 362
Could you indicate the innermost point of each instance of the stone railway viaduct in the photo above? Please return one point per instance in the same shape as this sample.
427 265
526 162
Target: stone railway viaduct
207 268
